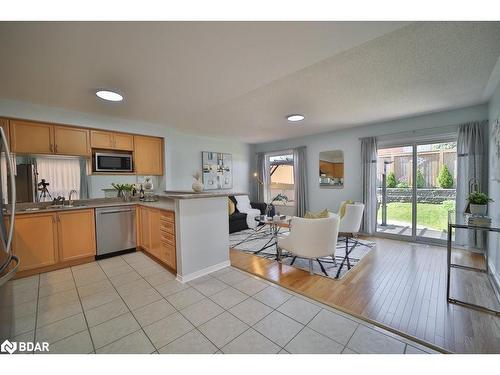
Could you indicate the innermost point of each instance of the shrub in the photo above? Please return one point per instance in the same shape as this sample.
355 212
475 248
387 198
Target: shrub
402 185
449 205
420 179
445 179
391 180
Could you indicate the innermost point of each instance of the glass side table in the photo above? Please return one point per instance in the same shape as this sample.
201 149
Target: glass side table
463 225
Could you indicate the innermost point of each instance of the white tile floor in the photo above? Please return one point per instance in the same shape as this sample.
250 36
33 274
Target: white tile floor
130 304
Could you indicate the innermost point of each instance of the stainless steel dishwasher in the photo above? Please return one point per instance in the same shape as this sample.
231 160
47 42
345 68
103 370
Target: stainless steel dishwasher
115 230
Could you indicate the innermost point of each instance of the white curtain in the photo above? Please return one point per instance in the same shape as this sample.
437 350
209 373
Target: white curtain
63 175
300 180
261 176
472 164
369 183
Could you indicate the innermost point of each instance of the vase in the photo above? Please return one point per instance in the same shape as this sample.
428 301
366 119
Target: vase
126 195
197 186
271 210
478 209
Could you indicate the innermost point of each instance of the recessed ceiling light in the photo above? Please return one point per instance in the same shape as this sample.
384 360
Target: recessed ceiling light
295 118
109 95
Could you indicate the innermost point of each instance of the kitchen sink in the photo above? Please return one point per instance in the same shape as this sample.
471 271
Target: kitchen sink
53 207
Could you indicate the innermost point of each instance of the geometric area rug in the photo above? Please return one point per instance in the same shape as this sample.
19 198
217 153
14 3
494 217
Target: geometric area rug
261 243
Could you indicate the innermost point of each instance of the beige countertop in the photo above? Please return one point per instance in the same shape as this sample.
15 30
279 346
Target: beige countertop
192 195
166 202
31 208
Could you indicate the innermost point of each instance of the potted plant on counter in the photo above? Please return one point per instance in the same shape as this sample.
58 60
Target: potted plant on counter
124 191
478 203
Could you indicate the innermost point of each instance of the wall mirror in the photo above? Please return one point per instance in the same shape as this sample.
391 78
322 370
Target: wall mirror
331 169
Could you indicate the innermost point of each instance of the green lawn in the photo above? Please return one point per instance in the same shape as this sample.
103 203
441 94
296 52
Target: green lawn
432 216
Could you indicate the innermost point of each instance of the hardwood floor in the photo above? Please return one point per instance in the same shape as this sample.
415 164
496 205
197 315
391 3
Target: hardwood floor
401 286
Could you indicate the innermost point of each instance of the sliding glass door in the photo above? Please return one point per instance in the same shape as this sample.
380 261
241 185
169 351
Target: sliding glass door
435 188
395 191
416 189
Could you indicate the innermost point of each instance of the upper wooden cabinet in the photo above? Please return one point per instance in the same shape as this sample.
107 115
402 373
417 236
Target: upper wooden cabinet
100 139
76 234
35 240
31 137
4 124
111 141
148 155
71 141
124 141
39 138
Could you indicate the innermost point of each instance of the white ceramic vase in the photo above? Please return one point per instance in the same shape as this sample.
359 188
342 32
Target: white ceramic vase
197 186
478 209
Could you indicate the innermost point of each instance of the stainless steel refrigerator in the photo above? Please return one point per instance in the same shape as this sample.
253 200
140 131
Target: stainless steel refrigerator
9 263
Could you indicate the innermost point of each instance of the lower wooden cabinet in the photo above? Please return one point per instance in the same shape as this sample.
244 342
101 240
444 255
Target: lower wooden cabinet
167 238
47 239
157 234
35 240
143 233
76 234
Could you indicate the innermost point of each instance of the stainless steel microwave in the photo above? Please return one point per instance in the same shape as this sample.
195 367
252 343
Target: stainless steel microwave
107 162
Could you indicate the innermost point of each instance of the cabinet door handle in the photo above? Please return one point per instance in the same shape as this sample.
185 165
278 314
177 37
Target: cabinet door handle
51 148
55 148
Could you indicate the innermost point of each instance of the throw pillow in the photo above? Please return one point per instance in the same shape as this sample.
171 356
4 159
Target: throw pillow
231 208
243 203
319 215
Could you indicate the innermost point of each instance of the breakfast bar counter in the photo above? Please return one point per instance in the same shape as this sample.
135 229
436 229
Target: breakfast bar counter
202 232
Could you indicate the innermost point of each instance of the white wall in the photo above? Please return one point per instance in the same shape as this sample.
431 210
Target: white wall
182 150
348 141
494 191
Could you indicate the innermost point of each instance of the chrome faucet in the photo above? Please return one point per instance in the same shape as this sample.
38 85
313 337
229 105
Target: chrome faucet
70 197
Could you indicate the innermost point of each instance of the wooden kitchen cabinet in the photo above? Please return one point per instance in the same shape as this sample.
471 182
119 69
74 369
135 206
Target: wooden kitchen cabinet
76 234
167 234
157 234
31 137
111 140
123 141
100 139
35 240
331 169
144 234
154 233
4 124
148 155
71 141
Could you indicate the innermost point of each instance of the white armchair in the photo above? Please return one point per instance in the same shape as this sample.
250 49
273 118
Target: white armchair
349 227
351 221
311 239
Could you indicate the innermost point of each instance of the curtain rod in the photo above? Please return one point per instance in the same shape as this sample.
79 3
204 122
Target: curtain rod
284 150
422 130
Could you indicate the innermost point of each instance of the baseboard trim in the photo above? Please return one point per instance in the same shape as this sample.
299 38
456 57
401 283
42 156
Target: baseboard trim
202 272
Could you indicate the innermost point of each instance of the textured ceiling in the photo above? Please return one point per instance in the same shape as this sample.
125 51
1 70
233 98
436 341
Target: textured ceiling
241 79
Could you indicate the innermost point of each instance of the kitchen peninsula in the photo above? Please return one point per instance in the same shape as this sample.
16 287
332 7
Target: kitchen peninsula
202 233
186 232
